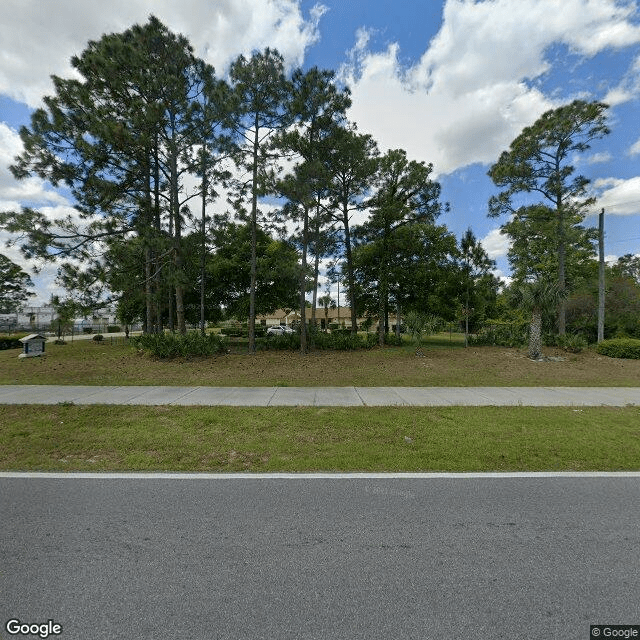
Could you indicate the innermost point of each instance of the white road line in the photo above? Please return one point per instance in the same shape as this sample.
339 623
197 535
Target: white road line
318 476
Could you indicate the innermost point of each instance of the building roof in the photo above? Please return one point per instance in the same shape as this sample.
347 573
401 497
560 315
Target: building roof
32 336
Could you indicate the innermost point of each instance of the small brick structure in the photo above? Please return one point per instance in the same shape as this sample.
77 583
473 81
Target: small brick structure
33 345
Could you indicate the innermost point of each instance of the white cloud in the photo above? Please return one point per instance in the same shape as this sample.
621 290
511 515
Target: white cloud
598 158
471 92
618 95
13 193
496 244
634 149
38 39
617 196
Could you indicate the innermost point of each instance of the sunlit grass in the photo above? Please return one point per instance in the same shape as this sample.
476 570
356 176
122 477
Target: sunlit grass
113 438
439 362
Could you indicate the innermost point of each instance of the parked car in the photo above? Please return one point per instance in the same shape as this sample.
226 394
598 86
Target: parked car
280 330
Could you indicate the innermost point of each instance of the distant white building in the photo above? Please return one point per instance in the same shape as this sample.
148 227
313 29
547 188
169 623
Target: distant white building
44 318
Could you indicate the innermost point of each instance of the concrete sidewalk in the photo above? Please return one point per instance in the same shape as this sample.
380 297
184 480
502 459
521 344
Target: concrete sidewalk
323 396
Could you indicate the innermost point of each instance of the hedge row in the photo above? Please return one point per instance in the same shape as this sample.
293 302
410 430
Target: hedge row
169 345
11 341
620 348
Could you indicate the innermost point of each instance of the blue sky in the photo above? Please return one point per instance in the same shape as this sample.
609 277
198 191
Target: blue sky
450 81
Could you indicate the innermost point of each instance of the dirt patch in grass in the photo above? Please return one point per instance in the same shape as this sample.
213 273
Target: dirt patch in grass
443 364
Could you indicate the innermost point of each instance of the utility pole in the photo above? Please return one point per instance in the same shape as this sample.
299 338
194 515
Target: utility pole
601 276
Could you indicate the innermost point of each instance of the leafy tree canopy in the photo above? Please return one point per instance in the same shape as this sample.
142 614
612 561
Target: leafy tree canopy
14 284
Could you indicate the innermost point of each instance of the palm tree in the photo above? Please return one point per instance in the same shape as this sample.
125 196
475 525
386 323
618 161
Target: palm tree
536 297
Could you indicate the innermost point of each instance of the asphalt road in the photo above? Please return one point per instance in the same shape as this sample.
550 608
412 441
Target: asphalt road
321 558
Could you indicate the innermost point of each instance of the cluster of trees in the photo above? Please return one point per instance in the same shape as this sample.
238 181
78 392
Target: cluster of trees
148 138
552 254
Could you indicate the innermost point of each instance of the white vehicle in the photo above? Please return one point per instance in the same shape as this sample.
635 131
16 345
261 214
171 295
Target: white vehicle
280 330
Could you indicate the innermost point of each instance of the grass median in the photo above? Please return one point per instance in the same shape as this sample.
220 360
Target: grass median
224 439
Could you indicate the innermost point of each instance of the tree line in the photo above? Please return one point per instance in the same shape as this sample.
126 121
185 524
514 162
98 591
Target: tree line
147 140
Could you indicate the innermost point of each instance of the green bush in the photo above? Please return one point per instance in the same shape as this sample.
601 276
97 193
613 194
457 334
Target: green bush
391 339
501 334
11 341
282 343
347 342
87 330
169 345
98 337
573 343
338 340
620 348
232 332
114 328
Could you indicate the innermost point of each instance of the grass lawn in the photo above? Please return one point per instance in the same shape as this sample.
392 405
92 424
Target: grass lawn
101 438
445 363
106 438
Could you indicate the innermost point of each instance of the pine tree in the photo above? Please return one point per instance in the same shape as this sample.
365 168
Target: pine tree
538 162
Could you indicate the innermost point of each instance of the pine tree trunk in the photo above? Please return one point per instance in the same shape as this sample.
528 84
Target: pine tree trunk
314 302
562 313
203 246
254 241
303 283
177 249
382 306
535 334
350 276
148 294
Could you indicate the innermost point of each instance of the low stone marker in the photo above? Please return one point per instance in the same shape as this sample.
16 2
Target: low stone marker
33 345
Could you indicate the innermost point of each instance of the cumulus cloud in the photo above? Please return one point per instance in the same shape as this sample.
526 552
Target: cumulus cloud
598 158
39 39
496 244
472 91
12 192
618 196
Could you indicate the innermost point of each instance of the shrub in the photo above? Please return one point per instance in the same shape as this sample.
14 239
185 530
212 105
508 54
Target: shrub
11 341
283 342
573 343
169 345
391 339
98 337
114 328
338 340
501 334
620 348
58 341
347 341
87 330
232 332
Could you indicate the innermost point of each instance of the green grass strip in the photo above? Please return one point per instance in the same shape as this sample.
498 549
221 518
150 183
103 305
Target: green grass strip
116 438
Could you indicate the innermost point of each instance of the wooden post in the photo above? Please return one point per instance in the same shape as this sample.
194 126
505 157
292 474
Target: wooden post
601 276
